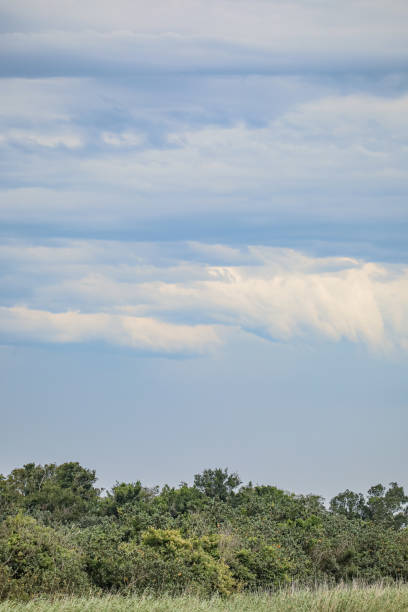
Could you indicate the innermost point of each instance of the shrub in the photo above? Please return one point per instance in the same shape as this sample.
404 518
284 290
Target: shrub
36 559
262 566
105 564
165 561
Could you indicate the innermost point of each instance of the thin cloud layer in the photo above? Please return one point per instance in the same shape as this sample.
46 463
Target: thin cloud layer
336 156
89 39
126 54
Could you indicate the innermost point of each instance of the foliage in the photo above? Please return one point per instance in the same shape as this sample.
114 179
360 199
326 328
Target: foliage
381 505
165 561
66 491
36 559
60 534
217 483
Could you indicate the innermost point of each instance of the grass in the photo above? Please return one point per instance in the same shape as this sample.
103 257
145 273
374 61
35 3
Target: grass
348 599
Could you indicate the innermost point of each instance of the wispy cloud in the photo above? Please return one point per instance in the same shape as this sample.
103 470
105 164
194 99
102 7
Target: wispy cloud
141 297
336 156
31 138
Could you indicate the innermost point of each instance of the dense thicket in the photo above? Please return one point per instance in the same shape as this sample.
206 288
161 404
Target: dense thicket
59 533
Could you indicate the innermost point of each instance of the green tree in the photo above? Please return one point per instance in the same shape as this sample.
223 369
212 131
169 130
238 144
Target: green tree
182 500
123 494
388 506
217 483
349 504
382 505
66 492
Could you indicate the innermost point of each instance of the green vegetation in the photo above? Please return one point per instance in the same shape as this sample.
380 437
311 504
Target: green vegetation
62 536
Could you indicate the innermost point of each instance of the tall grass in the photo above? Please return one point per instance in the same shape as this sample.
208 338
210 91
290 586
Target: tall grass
377 598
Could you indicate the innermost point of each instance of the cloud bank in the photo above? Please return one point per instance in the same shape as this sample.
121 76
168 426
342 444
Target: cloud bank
146 298
213 35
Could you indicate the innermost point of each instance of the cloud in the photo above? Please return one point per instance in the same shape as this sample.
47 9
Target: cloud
123 139
219 121
46 139
140 333
358 302
119 54
336 306
336 156
244 37
161 297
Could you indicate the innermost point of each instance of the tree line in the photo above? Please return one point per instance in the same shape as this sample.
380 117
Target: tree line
60 533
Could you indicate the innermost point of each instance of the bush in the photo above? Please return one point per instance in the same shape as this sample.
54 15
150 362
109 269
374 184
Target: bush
165 561
36 559
105 564
262 566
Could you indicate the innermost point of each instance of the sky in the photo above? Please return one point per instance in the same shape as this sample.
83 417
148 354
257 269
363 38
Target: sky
203 239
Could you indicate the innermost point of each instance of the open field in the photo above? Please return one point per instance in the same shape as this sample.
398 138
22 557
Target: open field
375 598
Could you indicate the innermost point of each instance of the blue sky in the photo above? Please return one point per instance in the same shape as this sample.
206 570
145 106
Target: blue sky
203 249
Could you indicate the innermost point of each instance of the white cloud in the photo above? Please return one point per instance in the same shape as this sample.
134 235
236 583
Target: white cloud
289 304
359 302
123 139
141 333
337 155
124 293
328 147
70 140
